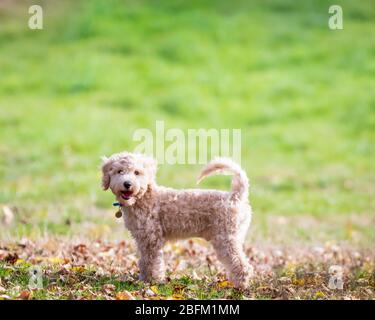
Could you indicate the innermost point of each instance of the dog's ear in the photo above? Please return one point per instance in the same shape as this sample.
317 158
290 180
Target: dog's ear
106 178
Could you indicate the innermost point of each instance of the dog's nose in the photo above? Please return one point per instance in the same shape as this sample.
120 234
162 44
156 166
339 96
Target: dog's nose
127 184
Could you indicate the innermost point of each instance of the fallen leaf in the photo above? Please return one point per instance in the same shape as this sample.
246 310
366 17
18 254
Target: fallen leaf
285 280
78 269
299 282
24 295
56 260
156 297
149 292
178 289
109 288
81 248
3 254
11 258
124 295
154 289
22 263
319 295
225 284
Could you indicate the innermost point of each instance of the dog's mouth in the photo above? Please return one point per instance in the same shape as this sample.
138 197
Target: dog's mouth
126 195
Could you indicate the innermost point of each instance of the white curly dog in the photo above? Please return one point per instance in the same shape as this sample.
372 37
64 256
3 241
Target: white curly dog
155 214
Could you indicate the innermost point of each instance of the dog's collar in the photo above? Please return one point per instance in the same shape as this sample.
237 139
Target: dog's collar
117 204
118 214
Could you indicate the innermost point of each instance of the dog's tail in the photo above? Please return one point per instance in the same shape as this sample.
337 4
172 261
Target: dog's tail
240 182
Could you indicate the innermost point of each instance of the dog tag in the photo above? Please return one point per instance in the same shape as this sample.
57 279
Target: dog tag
118 214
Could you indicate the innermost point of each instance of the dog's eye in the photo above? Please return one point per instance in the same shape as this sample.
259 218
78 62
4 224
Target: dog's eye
136 172
120 171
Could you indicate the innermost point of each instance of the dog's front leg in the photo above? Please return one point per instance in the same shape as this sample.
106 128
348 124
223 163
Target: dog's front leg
151 263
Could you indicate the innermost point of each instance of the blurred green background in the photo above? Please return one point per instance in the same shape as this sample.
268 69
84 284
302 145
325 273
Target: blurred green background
302 94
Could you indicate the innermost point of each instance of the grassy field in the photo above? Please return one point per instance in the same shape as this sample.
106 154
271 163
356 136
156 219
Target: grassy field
302 95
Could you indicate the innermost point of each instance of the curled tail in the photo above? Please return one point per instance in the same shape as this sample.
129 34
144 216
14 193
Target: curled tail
240 182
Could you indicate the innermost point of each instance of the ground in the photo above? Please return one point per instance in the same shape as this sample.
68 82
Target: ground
301 94
105 270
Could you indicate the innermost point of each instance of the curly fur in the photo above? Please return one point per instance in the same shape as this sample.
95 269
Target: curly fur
155 214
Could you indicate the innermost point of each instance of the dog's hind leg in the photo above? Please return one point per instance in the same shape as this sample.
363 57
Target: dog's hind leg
231 255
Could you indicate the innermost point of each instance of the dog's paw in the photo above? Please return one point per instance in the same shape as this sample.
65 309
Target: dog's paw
152 279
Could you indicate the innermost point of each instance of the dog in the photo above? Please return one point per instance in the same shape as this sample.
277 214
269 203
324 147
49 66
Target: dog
155 214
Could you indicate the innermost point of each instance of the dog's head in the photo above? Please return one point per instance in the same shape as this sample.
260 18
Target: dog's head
128 176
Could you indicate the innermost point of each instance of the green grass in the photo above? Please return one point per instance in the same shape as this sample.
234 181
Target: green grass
301 94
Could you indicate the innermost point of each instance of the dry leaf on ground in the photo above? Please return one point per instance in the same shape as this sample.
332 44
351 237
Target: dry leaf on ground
124 295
